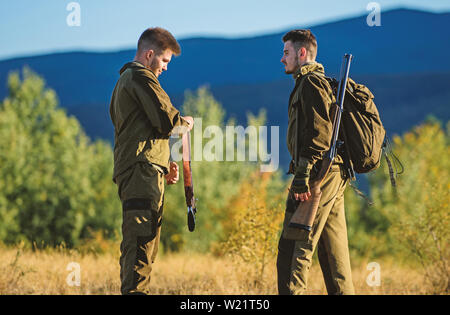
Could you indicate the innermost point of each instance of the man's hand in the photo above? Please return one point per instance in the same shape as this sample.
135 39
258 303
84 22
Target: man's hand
173 176
300 188
303 196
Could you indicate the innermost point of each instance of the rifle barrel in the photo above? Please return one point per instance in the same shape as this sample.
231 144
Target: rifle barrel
343 79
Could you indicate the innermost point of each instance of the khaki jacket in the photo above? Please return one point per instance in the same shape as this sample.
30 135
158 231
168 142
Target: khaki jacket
143 119
313 96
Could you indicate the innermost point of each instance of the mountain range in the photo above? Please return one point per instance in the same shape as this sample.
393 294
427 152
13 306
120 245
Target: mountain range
404 62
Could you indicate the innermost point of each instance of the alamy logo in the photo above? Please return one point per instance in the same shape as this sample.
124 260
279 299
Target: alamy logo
374 17
232 143
74 277
374 278
74 17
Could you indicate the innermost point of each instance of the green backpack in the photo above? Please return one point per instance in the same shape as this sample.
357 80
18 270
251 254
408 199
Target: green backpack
361 127
363 134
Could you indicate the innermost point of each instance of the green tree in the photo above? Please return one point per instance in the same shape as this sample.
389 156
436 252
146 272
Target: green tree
254 223
409 221
418 210
55 185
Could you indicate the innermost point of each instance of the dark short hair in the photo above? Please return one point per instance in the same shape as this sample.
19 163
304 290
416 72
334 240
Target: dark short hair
302 38
158 39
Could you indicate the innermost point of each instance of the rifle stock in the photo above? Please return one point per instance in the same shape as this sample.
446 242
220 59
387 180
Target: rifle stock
188 182
306 211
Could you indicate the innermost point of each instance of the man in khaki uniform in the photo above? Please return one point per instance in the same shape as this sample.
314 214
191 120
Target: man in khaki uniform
309 139
143 119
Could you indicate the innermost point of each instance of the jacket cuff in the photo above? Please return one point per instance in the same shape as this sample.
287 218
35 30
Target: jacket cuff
180 127
183 122
303 164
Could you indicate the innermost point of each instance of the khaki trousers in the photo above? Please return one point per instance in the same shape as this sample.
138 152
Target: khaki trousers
141 190
328 234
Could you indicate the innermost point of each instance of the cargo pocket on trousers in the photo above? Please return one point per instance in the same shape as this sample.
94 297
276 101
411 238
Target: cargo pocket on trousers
139 219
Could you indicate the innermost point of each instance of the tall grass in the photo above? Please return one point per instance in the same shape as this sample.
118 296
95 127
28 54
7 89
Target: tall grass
24 271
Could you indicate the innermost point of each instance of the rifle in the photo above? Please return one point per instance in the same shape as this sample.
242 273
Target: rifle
188 182
305 213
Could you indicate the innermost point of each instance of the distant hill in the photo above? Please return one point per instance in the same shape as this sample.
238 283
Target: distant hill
404 62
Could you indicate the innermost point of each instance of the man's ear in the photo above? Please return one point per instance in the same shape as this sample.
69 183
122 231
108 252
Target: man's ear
149 54
302 53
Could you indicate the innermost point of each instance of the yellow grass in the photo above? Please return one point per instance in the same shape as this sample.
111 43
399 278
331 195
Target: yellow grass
45 272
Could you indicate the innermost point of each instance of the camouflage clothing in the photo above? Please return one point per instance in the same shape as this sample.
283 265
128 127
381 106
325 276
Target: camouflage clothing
308 142
143 119
315 126
141 190
328 235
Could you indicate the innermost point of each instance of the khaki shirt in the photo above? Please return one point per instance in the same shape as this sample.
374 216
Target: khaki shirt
143 118
314 97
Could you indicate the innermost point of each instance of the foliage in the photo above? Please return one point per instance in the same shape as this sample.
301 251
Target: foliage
56 188
412 219
215 181
55 184
418 210
254 224
367 226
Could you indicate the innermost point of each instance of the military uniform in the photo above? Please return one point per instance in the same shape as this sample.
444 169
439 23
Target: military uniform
309 139
143 119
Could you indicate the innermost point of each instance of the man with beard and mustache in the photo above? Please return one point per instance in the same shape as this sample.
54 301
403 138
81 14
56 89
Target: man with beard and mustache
309 136
144 118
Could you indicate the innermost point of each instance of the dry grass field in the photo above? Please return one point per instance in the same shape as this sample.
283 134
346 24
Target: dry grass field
45 272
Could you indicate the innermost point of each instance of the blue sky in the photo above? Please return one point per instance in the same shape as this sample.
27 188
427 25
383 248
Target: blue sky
30 27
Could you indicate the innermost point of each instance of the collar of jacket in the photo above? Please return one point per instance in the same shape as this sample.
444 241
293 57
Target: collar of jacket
308 68
136 64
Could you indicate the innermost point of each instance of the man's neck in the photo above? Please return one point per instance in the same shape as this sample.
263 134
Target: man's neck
136 59
296 72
